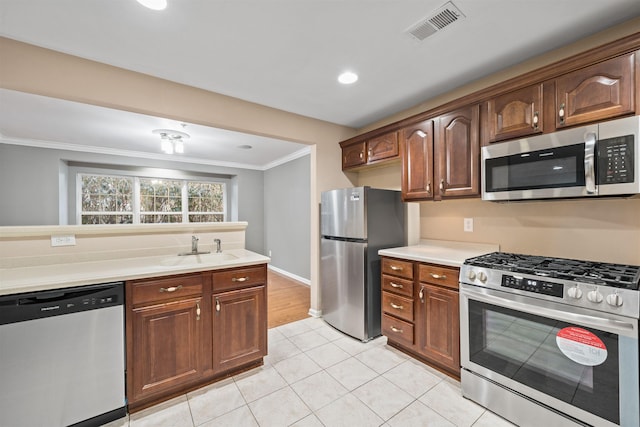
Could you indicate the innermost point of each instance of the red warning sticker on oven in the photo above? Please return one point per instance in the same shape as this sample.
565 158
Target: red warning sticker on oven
581 346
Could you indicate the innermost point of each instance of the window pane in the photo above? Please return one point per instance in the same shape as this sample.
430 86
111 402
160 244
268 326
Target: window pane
206 201
160 196
103 196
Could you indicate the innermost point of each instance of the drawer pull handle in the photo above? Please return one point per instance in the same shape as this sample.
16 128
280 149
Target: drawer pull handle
438 276
394 329
240 279
395 285
217 305
198 311
396 268
396 306
171 288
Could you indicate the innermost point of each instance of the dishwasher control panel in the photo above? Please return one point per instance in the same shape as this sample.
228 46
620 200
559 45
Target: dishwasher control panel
36 305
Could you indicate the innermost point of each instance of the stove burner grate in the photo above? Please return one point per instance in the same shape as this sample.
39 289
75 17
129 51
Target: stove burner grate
608 274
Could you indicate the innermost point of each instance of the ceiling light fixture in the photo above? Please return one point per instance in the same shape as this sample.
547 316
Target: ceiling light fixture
171 141
154 4
348 77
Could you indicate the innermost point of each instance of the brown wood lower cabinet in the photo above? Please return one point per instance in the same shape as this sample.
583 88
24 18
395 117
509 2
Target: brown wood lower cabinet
430 329
185 331
239 330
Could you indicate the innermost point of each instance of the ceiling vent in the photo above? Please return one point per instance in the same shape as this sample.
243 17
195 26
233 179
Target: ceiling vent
441 18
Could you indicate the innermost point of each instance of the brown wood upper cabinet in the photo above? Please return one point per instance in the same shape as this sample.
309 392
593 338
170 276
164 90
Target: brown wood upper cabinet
416 142
377 149
598 92
441 157
457 153
515 114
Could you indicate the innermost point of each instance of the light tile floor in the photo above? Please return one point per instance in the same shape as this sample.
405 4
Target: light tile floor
316 376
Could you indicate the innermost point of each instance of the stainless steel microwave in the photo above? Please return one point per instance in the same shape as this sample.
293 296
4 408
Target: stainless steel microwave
596 160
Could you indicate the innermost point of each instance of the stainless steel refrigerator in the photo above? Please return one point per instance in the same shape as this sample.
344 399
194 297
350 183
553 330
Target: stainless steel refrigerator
355 223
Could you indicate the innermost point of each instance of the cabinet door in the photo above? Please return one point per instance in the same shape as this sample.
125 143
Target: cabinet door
239 327
165 348
382 147
515 114
457 153
601 91
416 144
354 155
437 326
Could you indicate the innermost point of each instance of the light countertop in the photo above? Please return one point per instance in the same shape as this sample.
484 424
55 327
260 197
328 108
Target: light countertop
57 276
440 252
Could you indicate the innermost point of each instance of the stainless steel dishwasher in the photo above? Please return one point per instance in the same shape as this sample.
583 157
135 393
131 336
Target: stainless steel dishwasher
62 358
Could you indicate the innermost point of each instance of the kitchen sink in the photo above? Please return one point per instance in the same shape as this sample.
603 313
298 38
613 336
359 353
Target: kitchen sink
205 259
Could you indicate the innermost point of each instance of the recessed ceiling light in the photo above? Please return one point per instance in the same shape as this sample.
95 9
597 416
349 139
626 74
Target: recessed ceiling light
245 147
154 4
348 77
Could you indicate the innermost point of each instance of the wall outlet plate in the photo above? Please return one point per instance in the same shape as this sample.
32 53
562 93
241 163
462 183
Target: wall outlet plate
68 240
468 225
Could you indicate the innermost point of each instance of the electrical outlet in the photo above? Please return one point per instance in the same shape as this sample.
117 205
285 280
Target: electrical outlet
468 225
269 252
68 240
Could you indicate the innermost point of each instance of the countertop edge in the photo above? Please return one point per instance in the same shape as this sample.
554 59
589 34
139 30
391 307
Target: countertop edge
442 252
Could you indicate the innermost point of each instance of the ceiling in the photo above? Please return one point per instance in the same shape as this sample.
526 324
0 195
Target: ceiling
284 54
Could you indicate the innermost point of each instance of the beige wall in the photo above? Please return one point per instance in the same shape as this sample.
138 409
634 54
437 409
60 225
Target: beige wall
603 229
31 69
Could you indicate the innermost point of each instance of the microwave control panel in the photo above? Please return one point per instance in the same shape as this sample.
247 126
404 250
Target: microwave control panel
616 160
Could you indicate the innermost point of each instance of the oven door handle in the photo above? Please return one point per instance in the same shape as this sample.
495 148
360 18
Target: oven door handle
608 325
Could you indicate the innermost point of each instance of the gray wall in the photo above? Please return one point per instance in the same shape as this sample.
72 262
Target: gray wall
32 182
287 216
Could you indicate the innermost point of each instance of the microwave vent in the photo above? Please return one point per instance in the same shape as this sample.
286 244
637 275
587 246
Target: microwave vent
441 18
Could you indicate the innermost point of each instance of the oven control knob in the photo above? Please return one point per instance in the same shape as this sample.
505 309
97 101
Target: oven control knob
471 275
594 296
614 300
482 277
574 292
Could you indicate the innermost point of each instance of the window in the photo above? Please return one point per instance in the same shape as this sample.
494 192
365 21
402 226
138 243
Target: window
104 199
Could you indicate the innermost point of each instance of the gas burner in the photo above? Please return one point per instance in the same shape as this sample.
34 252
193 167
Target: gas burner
606 274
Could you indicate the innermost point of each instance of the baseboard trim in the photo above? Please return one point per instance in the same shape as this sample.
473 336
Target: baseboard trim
297 278
315 313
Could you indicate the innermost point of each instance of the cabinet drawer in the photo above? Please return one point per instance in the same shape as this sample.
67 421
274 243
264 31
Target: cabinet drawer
397 268
397 330
397 306
439 275
165 289
399 286
239 278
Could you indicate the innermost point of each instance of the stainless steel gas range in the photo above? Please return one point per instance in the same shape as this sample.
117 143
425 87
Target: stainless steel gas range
551 341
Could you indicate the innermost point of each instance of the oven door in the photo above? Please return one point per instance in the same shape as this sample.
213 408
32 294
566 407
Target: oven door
582 364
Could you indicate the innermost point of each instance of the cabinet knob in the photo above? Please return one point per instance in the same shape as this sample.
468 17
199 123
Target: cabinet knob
561 113
421 294
198 311
429 187
442 186
217 305
536 119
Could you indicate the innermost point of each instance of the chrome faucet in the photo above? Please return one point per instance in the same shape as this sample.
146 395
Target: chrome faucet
194 244
218 248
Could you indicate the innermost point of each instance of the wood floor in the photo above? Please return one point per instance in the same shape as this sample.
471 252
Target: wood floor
287 300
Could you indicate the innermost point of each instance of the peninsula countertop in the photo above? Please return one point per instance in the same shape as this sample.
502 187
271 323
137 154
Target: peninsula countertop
441 252
65 275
